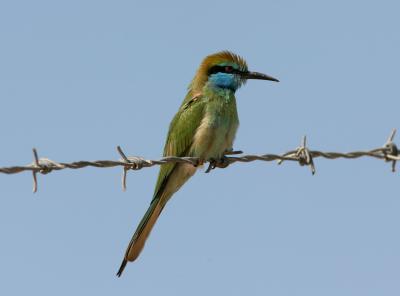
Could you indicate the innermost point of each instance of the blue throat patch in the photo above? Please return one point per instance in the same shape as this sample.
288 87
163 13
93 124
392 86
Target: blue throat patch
224 80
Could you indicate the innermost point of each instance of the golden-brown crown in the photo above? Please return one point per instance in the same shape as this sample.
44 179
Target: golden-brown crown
223 58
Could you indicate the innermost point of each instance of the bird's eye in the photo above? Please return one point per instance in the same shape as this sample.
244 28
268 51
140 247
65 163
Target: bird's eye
228 69
221 69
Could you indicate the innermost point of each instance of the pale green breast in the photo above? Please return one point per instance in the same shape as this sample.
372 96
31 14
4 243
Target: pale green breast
218 127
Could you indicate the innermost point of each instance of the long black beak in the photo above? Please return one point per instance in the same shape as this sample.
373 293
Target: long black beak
257 75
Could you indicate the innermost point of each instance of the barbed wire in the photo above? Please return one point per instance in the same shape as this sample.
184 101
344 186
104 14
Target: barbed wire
305 157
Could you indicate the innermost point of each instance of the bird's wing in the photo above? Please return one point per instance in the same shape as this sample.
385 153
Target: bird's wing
180 136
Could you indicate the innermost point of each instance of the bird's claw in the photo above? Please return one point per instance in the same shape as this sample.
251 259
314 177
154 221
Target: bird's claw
223 162
217 163
232 152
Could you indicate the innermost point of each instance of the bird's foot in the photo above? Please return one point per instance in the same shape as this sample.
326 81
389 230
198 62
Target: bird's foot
217 163
232 152
223 162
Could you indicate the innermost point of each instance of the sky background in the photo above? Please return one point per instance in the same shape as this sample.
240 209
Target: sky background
78 78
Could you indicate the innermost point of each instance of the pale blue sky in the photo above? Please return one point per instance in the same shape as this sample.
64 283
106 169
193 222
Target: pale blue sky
78 78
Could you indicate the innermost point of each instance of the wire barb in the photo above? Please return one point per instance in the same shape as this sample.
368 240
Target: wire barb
125 158
36 164
132 163
392 150
302 155
42 166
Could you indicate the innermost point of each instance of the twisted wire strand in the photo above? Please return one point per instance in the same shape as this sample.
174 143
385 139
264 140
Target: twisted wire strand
302 155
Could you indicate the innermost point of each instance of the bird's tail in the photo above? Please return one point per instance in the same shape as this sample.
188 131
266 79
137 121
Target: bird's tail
142 232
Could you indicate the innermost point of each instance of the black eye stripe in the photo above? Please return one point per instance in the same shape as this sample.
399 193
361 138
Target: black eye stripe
222 69
215 69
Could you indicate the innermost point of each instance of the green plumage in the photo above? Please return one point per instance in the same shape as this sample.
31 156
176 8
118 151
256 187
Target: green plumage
180 136
204 127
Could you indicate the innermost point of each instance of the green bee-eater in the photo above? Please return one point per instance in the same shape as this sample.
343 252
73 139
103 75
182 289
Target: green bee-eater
204 127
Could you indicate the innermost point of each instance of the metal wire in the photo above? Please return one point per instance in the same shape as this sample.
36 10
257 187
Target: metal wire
302 155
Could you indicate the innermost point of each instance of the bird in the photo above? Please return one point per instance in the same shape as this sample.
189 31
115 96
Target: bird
204 127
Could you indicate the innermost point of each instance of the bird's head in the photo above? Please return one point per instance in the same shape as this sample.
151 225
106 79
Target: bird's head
225 70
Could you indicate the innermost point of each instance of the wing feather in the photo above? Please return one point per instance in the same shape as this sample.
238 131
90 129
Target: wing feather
180 136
